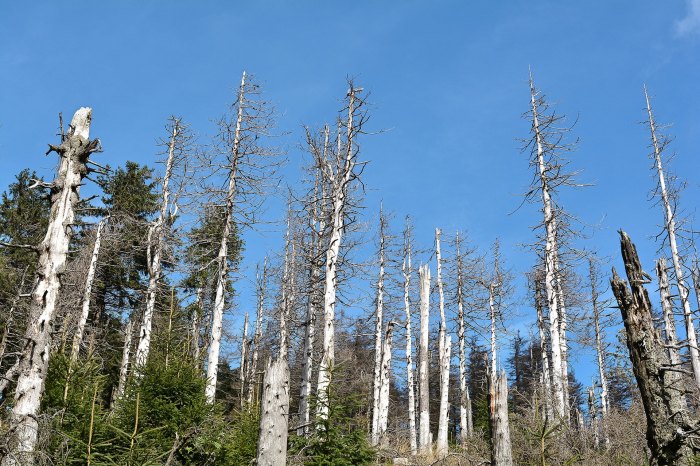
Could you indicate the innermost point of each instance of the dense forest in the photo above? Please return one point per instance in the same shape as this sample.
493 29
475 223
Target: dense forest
123 341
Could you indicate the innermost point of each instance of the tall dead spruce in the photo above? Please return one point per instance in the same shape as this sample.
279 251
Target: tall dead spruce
340 170
249 169
670 429
546 147
74 152
667 195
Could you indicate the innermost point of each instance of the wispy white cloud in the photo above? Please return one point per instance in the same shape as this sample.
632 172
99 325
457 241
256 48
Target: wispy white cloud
690 25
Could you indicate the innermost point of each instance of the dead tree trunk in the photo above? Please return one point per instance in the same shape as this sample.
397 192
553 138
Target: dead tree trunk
78 337
444 359
261 281
409 336
274 415
124 366
600 352
424 444
669 425
243 371
593 414
383 405
670 228
378 317
156 238
501 451
667 308
74 152
544 349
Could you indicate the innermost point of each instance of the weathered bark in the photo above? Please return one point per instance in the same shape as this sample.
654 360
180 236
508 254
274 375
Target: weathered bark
669 426
78 336
287 288
156 238
444 358
274 415
243 371
195 323
383 405
501 451
424 441
217 317
340 180
559 384
378 318
74 152
406 269
670 228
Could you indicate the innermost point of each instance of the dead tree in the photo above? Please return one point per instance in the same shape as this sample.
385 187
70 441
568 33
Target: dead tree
667 198
274 415
424 441
156 239
670 428
600 348
406 269
74 152
340 171
465 404
501 450
378 317
443 358
261 283
249 169
243 370
385 382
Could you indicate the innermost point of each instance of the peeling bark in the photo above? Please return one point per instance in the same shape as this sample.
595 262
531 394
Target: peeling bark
424 440
74 152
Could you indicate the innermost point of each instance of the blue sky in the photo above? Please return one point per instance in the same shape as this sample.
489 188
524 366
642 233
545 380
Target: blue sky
448 82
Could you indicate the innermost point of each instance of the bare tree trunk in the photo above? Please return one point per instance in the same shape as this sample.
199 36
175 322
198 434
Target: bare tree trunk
78 337
339 181
424 441
378 357
444 358
465 414
409 351
669 426
217 317
550 260
670 227
261 282
501 451
243 371
156 238
124 366
194 330
601 354
383 406
274 418
74 152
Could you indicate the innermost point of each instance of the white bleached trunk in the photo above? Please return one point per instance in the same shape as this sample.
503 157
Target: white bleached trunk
274 415
78 337
424 440
194 330
257 338
126 357
306 371
670 227
217 317
409 350
156 238
287 290
563 320
53 250
601 356
243 371
444 363
593 413
501 451
378 361
338 195
383 405
550 282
